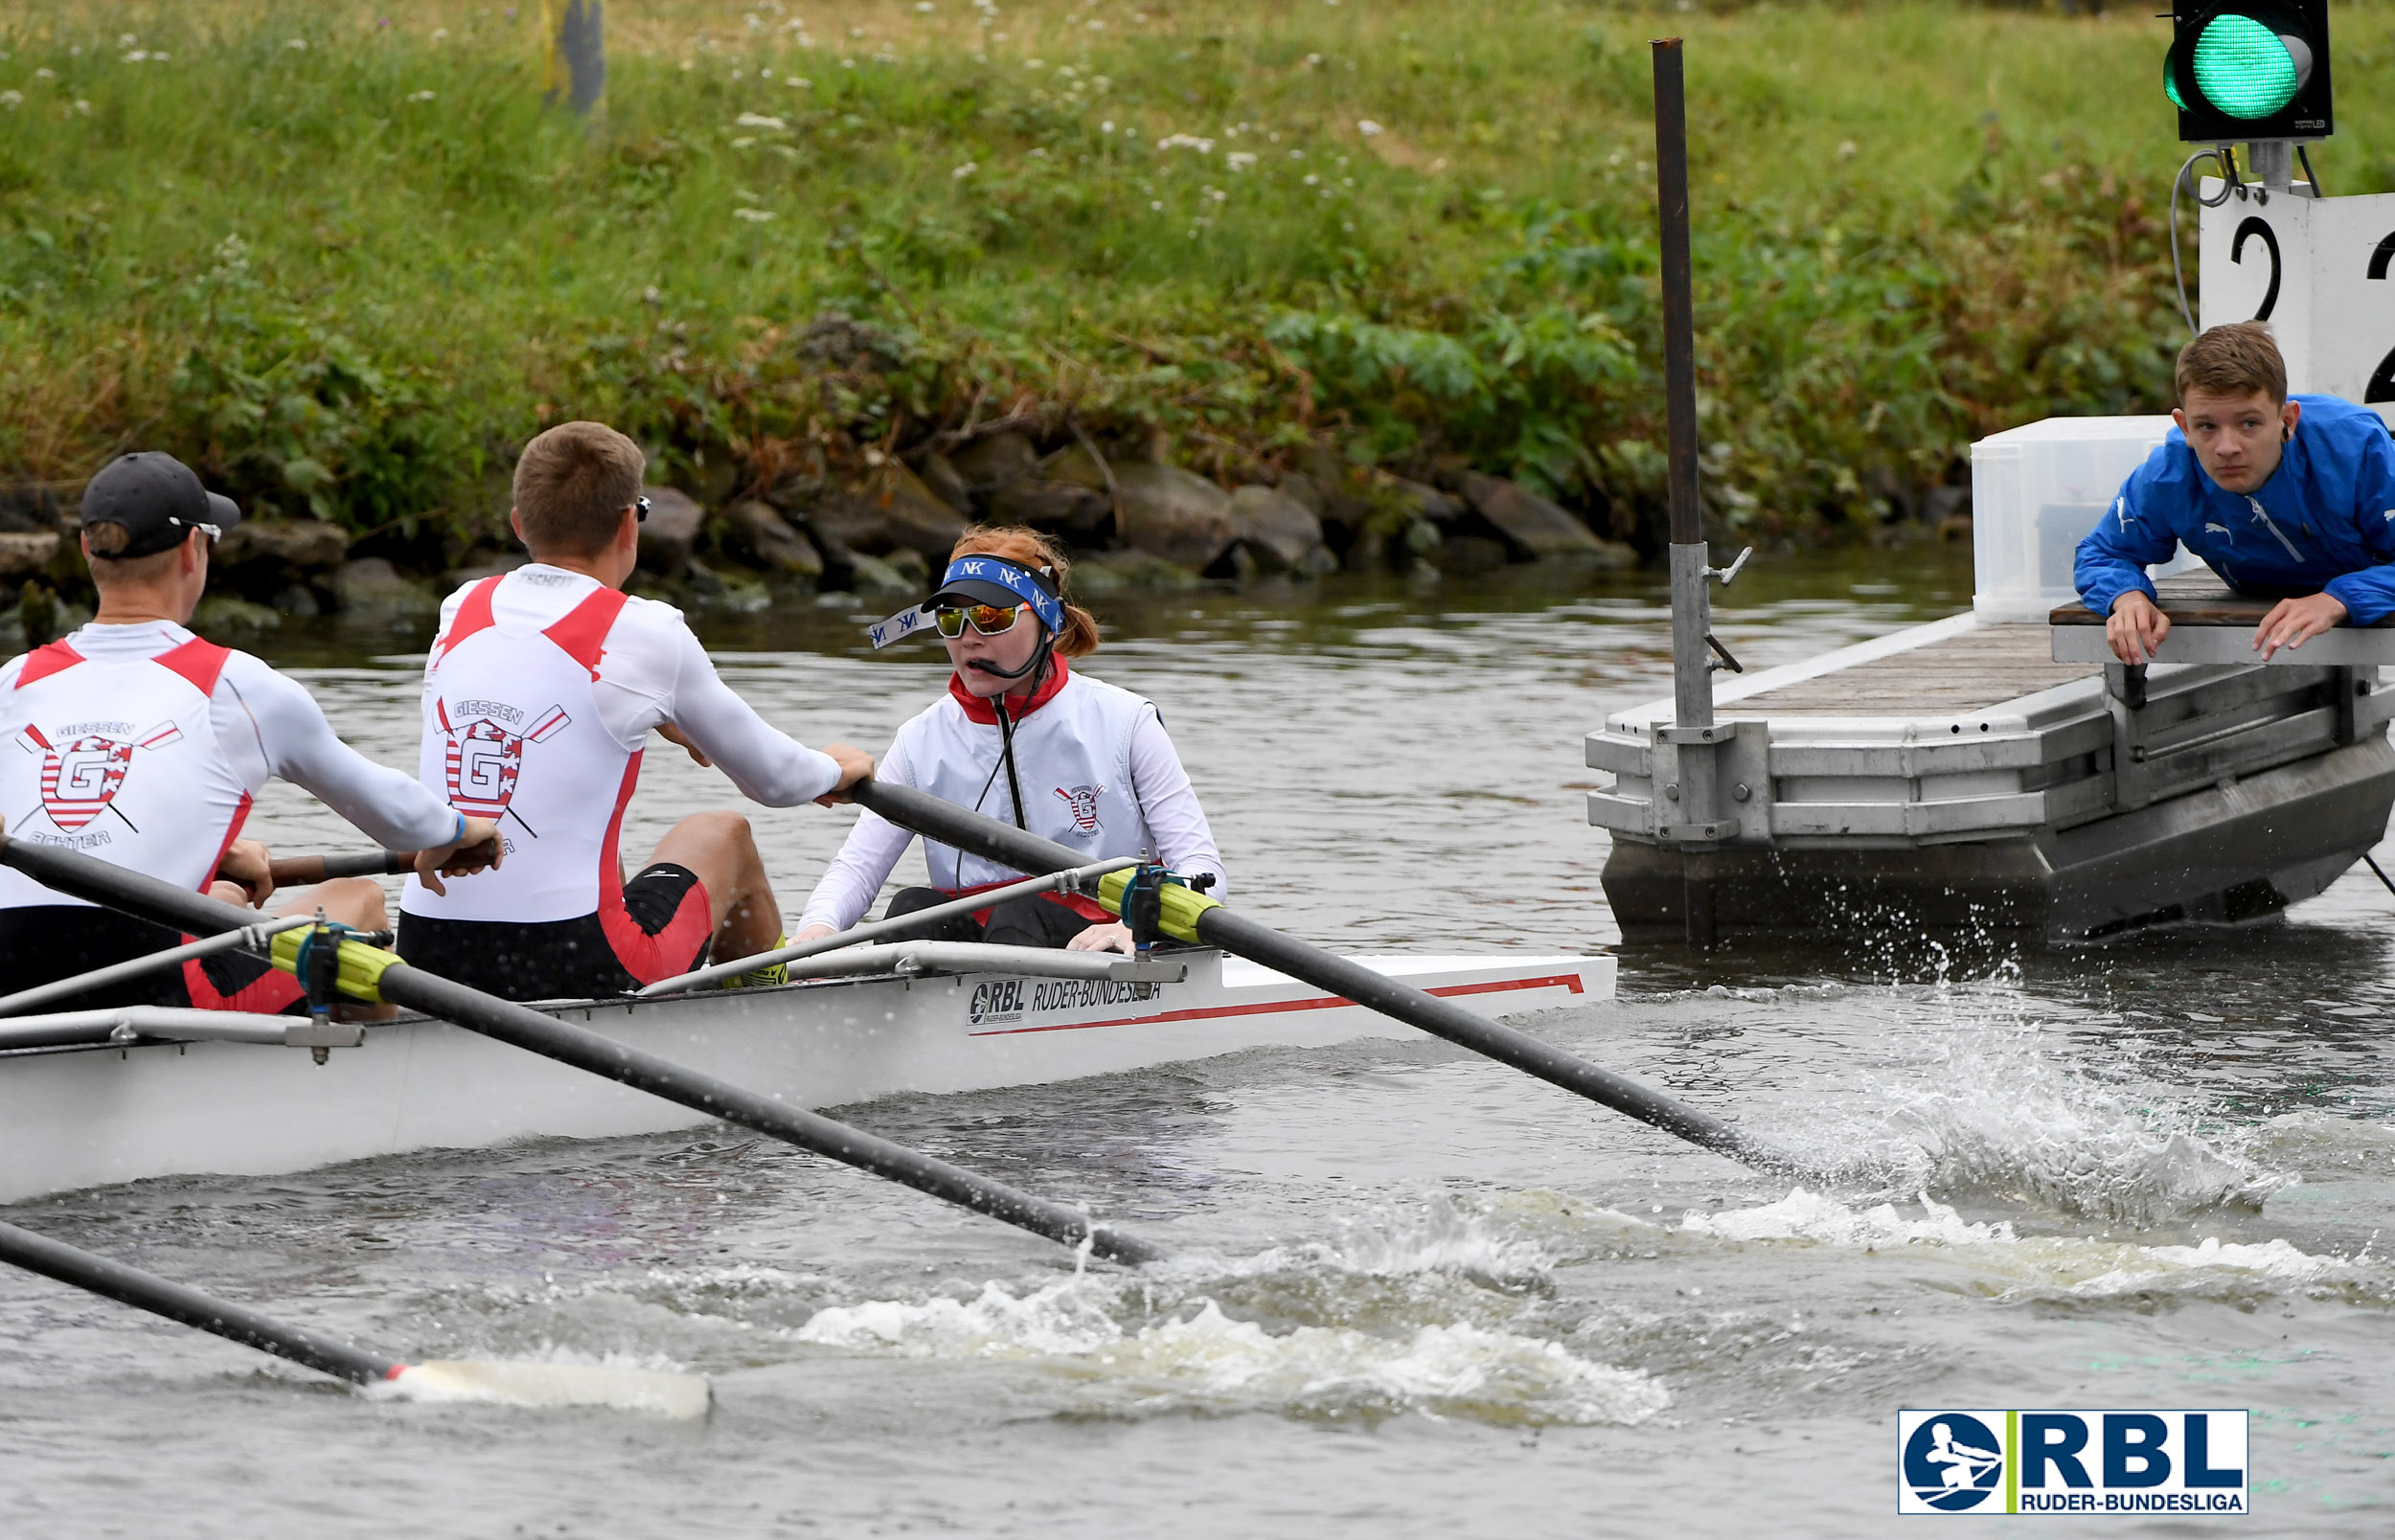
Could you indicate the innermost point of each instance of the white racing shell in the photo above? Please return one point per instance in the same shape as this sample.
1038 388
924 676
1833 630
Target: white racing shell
118 758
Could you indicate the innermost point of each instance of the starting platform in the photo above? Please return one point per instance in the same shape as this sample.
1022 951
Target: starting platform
1973 774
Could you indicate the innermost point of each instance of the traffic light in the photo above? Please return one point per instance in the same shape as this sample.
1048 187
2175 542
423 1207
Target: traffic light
2250 69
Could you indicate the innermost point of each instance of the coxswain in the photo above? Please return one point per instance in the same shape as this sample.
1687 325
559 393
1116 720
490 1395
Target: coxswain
132 740
541 689
1022 737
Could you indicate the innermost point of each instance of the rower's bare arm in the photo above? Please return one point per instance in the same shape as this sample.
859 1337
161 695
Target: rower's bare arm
249 865
477 847
810 933
674 735
855 765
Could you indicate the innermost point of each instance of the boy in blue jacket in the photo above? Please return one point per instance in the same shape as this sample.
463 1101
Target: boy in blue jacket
2286 498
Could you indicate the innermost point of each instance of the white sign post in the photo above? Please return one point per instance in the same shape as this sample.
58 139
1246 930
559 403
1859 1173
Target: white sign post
2319 271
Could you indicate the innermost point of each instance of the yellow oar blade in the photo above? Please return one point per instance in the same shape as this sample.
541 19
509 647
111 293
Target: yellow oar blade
516 1384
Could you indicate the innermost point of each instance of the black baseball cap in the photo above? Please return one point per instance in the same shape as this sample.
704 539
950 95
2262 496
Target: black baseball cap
159 501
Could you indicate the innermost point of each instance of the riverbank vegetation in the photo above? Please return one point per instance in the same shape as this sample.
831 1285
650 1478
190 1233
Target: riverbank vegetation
342 256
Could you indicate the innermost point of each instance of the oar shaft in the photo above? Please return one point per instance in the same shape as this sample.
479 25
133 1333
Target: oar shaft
147 1291
530 1030
163 902
944 821
1351 980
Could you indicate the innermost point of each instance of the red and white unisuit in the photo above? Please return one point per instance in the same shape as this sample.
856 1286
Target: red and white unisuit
145 746
1099 776
539 696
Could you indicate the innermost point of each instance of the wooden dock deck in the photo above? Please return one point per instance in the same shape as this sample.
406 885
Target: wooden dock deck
1973 672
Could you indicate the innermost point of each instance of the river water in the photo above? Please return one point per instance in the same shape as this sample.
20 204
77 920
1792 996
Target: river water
1417 1294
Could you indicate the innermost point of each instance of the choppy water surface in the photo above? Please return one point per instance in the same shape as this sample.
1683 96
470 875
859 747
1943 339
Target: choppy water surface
1417 1294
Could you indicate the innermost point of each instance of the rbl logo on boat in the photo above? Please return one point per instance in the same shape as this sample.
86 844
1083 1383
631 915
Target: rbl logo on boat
2071 1462
997 1000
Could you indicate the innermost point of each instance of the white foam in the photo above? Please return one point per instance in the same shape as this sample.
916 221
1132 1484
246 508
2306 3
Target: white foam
2076 1265
1206 1359
2148 1266
1814 1216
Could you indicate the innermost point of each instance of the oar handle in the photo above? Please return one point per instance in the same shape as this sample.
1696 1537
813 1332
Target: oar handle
305 870
147 1291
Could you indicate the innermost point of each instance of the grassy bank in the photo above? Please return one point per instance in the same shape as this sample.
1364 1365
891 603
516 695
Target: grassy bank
343 255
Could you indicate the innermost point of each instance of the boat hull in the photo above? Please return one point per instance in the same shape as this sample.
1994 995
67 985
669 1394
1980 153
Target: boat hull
73 1119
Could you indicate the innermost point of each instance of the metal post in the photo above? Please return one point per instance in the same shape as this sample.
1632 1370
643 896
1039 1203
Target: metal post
574 53
2272 162
1692 601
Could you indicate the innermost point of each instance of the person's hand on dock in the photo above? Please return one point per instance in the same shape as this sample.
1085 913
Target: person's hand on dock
2137 625
2293 621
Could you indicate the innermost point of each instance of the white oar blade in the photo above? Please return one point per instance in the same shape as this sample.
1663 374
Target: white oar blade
518 1384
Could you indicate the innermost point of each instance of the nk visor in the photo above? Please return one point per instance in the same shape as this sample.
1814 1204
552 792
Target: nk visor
991 592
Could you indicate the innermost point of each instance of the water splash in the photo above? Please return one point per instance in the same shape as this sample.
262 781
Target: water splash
1408 1306
1804 1216
1202 1359
1988 1101
2008 1266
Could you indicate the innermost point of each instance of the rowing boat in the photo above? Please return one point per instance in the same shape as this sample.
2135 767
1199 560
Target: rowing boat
933 1019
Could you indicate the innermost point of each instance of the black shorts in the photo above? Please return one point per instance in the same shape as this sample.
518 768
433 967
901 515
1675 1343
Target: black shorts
41 943
1037 919
659 927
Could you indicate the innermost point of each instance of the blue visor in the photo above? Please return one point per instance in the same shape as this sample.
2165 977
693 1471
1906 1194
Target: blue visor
975 580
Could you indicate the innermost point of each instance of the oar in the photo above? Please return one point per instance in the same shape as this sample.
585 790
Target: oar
1210 922
369 974
306 871
676 1395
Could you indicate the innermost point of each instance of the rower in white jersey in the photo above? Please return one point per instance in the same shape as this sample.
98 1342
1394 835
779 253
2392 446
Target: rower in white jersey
1022 737
539 696
135 741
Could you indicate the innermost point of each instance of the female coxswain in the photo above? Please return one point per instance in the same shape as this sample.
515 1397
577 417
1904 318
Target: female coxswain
1022 737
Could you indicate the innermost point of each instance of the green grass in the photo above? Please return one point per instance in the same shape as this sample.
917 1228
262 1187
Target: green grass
352 276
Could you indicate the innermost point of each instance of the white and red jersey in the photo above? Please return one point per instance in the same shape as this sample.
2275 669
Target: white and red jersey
539 696
1099 776
145 746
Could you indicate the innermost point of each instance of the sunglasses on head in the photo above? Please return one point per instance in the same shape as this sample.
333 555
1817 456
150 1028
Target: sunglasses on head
990 620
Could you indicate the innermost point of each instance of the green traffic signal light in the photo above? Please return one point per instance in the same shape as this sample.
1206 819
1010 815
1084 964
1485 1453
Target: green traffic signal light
2242 68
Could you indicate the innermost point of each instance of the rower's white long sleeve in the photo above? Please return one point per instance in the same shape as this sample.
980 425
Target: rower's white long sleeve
767 764
1168 802
271 715
865 862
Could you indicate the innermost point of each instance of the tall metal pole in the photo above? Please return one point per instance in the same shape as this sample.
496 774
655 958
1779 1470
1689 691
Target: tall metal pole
574 53
1691 603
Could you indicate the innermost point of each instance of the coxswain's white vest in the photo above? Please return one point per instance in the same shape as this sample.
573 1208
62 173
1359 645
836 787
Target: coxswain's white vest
1074 754
118 758
511 733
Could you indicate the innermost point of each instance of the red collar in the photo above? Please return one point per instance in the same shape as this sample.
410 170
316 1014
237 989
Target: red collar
979 709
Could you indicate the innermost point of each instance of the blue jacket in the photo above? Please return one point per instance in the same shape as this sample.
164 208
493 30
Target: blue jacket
2324 521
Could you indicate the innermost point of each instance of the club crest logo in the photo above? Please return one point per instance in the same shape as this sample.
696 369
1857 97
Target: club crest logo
82 777
1082 801
485 755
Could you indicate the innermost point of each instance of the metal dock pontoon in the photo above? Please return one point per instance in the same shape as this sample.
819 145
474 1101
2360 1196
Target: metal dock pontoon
1955 776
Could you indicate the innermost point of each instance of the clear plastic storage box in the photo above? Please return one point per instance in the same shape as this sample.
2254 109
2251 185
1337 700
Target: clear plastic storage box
2035 491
